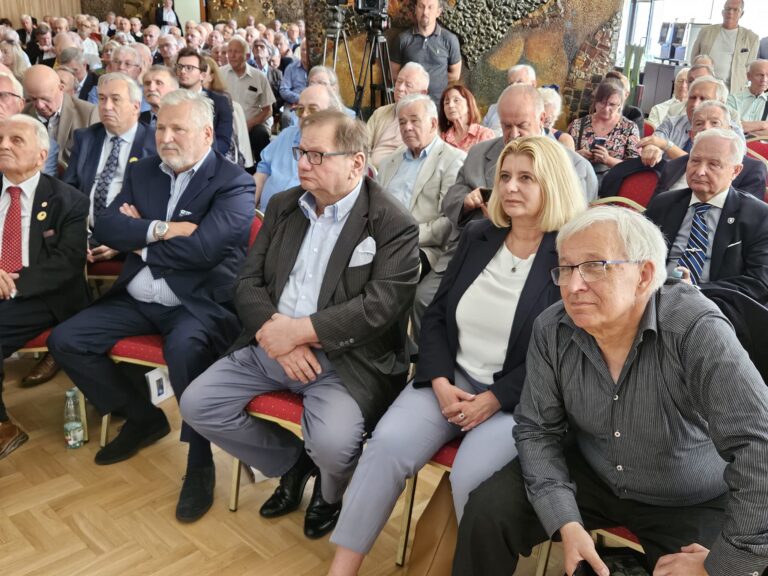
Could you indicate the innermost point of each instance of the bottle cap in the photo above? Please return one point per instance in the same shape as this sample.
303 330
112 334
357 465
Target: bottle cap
72 392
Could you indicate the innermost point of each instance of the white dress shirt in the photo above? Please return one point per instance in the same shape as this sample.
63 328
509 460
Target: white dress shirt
28 188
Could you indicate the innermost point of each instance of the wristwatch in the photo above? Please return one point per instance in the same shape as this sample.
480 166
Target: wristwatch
161 229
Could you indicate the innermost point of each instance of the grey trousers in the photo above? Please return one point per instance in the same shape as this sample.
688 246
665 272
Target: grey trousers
425 293
332 424
406 437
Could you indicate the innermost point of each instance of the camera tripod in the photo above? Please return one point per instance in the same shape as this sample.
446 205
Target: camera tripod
376 50
336 34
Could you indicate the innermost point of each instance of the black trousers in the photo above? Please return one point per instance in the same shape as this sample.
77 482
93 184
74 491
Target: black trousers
499 523
80 346
20 320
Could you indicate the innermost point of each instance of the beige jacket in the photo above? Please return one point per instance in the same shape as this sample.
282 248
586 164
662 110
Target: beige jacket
747 43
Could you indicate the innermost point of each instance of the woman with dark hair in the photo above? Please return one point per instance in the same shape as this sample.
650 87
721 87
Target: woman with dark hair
605 137
459 119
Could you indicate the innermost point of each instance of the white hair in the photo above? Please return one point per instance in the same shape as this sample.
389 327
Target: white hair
201 114
520 67
41 133
333 78
552 98
16 86
429 105
524 90
721 90
134 92
714 104
640 238
418 68
737 148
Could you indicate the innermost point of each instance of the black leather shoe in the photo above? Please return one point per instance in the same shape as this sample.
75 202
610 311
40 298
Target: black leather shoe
287 497
196 494
321 517
132 437
42 372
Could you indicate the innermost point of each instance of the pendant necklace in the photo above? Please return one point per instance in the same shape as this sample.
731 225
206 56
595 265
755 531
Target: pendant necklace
516 262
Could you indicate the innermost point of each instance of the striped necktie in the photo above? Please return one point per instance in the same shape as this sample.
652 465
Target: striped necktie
696 250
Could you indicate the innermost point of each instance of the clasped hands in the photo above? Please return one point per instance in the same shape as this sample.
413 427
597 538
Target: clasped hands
578 545
289 341
462 408
7 284
174 228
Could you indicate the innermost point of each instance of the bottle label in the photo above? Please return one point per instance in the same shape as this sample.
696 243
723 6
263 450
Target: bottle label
73 434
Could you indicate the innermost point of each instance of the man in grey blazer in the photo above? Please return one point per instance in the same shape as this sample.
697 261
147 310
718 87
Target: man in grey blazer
420 172
323 298
521 112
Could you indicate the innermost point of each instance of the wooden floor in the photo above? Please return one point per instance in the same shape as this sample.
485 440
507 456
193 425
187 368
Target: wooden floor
60 514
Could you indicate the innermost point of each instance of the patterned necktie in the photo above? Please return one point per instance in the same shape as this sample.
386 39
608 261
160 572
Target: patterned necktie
106 176
698 242
10 259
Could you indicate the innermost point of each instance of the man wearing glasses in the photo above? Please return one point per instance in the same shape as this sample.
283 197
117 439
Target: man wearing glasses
323 298
668 417
731 47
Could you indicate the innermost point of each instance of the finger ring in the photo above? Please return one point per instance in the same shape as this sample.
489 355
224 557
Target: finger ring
462 416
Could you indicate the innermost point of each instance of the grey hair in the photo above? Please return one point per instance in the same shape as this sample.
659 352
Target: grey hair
429 105
641 239
527 91
240 42
415 66
682 72
330 72
117 52
134 92
201 114
715 104
518 67
550 96
71 54
756 61
41 133
16 86
721 90
738 147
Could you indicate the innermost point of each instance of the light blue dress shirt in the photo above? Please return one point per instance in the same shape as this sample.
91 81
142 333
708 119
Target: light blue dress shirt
278 164
144 287
401 184
299 299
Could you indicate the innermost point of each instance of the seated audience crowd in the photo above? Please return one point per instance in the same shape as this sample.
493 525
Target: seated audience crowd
595 363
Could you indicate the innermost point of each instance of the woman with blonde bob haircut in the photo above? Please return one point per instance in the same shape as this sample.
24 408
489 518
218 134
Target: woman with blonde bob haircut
472 347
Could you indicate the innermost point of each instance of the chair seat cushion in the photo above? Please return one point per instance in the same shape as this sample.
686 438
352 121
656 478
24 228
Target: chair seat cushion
283 405
105 268
148 348
447 454
39 341
623 532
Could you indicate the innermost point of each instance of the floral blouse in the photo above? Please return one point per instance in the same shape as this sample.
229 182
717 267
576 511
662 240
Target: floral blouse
476 133
621 142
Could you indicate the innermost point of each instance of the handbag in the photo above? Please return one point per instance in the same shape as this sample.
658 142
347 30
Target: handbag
434 541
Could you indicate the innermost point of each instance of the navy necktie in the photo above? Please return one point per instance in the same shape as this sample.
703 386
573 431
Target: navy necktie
698 242
106 177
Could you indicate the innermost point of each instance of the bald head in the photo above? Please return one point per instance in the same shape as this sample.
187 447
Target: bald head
42 87
521 112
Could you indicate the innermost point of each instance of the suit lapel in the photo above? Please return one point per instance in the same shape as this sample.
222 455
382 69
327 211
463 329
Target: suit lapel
295 229
199 183
65 122
139 150
725 232
39 218
492 157
427 170
486 248
93 155
356 224
674 215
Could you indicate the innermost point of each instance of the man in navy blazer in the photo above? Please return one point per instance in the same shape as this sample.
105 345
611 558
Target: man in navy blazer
731 244
190 67
119 101
183 219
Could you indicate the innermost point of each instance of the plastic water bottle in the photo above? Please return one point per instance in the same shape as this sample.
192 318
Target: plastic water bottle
73 425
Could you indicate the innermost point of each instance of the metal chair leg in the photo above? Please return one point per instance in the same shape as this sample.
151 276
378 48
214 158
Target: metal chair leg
405 523
234 490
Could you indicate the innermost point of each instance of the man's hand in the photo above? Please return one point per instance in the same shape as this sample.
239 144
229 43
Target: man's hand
278 335
300 364
689 562
449 396
578 546
7 284
180 229
651 155
100 253
130 211
473 201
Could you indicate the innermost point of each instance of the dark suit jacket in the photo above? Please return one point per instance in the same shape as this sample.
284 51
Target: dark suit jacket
36 55
361 310
57 247
25 37
86 153
91 80
740 248
439 338
222 120
201 268
751 179
160 22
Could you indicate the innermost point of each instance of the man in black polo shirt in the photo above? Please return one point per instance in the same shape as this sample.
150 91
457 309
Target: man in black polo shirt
430 45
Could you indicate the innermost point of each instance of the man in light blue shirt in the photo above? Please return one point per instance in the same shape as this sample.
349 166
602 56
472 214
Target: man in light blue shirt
278 170
752 103
294 81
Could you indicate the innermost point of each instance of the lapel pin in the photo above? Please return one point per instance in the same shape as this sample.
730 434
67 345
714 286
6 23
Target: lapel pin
44 204
42 215
133 159
731 220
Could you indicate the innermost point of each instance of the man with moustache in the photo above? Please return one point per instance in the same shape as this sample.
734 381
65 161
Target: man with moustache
158 81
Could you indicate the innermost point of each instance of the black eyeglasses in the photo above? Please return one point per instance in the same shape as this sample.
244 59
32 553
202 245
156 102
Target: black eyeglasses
8 96
590 271
315 158
185 67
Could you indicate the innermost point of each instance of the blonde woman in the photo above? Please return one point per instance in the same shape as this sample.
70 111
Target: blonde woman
472 348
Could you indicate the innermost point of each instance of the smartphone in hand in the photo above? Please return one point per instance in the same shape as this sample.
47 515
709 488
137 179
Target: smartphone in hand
486 194
597 142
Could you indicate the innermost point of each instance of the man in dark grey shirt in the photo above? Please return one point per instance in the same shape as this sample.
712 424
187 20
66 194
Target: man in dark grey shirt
668 414
430 45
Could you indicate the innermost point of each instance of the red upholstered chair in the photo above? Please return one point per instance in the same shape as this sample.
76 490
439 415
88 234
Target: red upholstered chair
104 270
618 535
758 150
639 187
648 129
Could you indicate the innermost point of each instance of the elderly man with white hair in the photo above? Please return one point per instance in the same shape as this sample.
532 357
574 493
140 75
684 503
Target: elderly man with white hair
717 235
675 105
517 74
42 235
668 413
752 103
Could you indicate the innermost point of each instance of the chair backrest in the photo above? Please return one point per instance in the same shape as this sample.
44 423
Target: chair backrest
648 129
639 186
758 150
258 220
